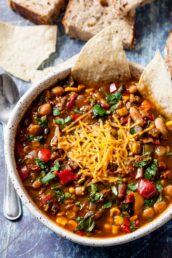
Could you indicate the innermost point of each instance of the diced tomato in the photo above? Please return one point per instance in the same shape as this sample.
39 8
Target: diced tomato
75 116
80 233
157 142
125 228
24 173
126 222
66 176
71 102
112 87
46 198
151 117
146 188
146 105
44 154
129 198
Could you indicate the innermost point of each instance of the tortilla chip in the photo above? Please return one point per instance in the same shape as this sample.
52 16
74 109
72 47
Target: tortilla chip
102 59
155 85
23 49
49 71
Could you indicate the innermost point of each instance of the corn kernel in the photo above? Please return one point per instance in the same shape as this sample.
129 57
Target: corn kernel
72 225
169 125
107 227
118 220
115 230
80 87
62 221
114 211
125 98
71 190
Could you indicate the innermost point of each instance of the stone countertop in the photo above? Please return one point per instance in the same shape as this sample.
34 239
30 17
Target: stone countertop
28 238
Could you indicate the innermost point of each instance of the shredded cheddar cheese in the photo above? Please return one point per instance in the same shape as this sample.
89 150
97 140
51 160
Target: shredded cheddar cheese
95 147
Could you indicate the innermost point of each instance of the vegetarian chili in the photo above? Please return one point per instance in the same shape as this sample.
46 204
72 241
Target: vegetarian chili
96 160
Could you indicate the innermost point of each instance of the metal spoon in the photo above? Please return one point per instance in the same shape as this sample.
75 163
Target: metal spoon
9 95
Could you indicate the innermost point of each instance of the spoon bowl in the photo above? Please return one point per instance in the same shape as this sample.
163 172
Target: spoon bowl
9 96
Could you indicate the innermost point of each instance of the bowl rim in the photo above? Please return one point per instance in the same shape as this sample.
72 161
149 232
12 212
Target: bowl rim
9 140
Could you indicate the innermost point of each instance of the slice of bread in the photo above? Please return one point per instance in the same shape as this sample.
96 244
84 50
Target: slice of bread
85 18
168 51
126 6
38 11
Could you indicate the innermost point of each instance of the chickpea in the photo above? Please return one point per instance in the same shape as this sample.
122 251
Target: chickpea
45 109
168 190
148 213
72 225
62 221
135 115
132 88
159 206
160 125
34 129
160 150
57 91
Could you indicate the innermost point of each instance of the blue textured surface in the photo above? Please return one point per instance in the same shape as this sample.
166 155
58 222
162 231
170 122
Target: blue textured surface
28 238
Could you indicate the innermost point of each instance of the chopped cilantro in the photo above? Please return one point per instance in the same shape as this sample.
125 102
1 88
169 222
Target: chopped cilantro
47 178
67 195
142 163
41 164
107 205
150 202
99 111
56 111
76 110
32 138
42 121
168 154
113 99
55 167
152 170
132 187
158 186
59 194
63 121
94 194
132 226
87 224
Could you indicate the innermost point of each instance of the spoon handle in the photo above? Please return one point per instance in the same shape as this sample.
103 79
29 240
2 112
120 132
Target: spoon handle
12 205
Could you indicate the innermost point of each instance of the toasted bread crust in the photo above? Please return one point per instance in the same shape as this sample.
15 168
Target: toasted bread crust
76 23
35 16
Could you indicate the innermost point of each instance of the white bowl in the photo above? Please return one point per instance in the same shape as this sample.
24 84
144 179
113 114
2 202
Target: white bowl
10 132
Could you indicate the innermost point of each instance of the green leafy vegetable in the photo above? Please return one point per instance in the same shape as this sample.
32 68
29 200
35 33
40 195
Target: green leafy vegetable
67 195
42 121
159 186
132 187
142 163
113 99
152 170
59 194
32 138
168 154
76 110
47 178
63 121
107 205
99 111
87 224
94 194
150 202
132 226
56 111
56 167
79 204
41 164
